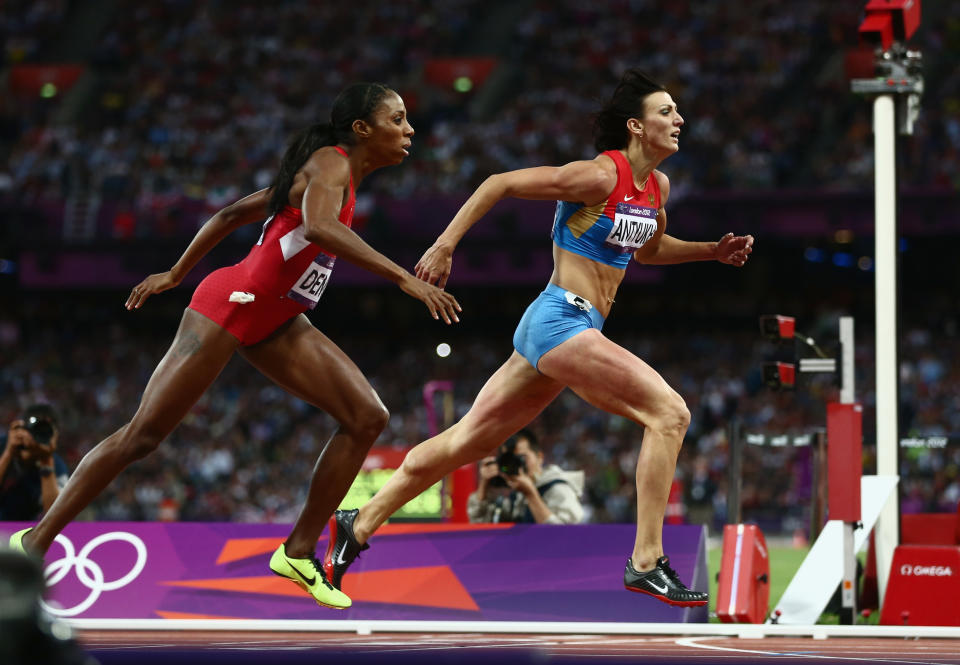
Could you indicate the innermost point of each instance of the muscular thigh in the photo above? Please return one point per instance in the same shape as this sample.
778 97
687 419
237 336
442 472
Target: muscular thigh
511 398
608 376
199 352
305 362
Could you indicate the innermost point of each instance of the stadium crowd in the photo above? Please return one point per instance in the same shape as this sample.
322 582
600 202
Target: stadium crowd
191 101
194 99
239 453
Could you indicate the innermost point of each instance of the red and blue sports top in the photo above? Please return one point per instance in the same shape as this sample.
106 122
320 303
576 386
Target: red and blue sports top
610 231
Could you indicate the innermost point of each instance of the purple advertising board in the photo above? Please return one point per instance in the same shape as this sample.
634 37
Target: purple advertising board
425 571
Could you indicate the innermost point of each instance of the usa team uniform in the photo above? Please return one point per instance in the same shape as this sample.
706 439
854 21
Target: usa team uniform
283 276
608 232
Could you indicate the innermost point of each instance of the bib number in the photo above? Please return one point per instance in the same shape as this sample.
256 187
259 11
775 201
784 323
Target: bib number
633 226
311 284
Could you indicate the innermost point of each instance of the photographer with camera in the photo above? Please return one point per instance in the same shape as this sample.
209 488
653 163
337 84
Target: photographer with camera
515 486
31 473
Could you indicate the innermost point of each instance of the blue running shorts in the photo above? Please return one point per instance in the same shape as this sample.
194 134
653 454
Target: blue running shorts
553 318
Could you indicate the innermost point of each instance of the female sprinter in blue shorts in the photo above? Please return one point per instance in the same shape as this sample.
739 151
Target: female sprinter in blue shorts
256 308
609 209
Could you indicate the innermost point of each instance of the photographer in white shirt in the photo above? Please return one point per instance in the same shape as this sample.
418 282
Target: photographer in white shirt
515 486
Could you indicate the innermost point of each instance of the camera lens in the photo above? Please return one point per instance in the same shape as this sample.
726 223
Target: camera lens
41 430
510 463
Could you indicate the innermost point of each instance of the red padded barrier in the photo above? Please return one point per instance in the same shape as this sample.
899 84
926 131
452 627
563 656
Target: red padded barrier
924 586
743 589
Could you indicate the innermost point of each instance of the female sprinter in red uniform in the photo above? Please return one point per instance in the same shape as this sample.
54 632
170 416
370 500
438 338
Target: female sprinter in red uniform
609 209
257 308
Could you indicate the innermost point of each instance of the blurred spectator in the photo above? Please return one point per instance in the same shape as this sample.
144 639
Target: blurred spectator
232 457
186 92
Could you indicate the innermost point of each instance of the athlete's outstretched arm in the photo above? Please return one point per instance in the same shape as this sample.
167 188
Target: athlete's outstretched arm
664 249
247 210
328 181
586 181
730 249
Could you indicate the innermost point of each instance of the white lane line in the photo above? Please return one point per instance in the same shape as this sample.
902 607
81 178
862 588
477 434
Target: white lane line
695 643
599 641
127 647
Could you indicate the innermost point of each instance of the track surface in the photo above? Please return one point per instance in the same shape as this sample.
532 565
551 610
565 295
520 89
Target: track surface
183 647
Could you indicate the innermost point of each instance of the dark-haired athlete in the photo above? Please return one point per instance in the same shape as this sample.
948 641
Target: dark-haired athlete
256 308
608 210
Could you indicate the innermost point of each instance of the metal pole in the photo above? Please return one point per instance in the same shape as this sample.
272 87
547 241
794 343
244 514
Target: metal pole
848 596
885 297
734 478
847 355
848 586
818 501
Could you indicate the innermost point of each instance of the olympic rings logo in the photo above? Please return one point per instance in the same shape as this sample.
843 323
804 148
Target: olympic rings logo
89 572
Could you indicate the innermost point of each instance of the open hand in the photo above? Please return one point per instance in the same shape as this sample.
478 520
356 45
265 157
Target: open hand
734 250
435 265
488 468
155 283
440 303
20 442
18 438
521 482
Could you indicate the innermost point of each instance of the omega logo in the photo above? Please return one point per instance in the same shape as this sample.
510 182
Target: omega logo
926 571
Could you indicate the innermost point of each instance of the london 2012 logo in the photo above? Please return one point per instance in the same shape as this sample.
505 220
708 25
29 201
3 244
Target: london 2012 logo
89 572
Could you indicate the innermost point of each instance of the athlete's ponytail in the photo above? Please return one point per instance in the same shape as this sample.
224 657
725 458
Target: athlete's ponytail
610 124
356 102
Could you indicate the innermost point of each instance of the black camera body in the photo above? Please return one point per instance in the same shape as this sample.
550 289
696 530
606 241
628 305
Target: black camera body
41 429
509 463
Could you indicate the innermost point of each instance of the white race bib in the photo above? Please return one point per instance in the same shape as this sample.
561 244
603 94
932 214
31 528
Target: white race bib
632 227
308 289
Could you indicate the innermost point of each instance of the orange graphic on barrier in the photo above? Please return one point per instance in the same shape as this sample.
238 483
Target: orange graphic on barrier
428 586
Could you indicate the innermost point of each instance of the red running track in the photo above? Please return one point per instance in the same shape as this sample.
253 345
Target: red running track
182 647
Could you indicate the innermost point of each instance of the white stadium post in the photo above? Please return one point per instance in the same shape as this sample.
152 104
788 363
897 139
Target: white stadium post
895 82
885 286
